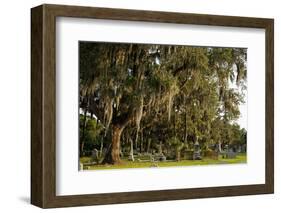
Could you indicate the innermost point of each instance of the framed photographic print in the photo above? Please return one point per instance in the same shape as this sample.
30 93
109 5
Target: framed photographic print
136 106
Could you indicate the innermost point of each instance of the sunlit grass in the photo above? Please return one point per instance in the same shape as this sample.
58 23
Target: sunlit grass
241 158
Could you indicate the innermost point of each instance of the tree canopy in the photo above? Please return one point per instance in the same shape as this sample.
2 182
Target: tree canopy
151 95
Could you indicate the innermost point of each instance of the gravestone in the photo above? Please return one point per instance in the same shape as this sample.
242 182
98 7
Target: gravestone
95 155
211 154
162 157
229 153
218 147
197 151
188 155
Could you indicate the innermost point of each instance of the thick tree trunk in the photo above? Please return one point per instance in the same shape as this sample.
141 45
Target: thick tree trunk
118 124
113 154
115 149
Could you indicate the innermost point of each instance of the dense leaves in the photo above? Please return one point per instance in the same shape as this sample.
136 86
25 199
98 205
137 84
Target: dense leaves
144 97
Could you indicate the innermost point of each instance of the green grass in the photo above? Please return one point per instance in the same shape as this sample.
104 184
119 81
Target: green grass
241 158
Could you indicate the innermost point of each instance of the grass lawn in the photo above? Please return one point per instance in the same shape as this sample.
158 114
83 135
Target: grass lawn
241 158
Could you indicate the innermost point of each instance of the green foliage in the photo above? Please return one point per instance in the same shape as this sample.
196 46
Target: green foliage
174 94
174 141
92 133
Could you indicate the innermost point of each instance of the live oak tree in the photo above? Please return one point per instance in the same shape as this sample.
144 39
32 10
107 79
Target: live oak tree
122 82
157 92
